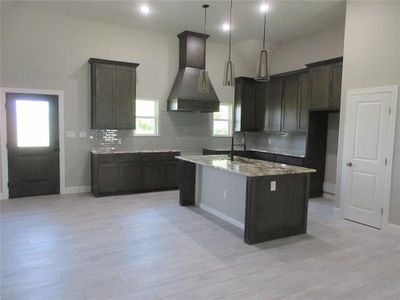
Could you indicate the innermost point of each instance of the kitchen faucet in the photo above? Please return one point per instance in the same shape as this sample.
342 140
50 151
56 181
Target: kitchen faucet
233 143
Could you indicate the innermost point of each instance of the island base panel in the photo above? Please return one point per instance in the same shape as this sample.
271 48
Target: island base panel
187 183
276 214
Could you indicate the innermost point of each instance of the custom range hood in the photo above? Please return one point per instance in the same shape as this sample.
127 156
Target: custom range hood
185 95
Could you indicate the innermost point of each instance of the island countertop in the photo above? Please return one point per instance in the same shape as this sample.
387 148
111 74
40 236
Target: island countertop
245 166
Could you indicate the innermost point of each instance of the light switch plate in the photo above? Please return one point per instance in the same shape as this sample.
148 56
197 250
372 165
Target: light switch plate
273 186
82 134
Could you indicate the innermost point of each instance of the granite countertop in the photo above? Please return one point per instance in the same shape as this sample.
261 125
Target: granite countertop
245 166
259 150
114 151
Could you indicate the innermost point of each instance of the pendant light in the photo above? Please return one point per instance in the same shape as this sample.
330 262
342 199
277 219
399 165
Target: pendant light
229 74
204 79
263 67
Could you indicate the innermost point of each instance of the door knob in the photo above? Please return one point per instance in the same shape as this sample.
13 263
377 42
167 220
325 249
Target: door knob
349 164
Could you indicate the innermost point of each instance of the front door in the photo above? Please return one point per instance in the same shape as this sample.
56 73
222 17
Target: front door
32 144
366 153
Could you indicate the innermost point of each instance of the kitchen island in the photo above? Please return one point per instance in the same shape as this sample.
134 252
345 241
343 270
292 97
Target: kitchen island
267 200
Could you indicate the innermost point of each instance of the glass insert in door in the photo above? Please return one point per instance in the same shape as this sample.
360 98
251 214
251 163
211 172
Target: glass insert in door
33 129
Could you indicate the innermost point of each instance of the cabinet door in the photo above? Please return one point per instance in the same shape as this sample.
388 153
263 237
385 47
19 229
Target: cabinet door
244 105
274 105
108 177
320 86
171 174
103 113
303 102
290 98
131 176
260 104
153 175
336 85
125 86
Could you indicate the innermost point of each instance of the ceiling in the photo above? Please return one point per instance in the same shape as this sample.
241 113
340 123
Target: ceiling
286 19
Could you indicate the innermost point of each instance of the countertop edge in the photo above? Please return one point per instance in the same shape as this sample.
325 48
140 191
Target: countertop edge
275 172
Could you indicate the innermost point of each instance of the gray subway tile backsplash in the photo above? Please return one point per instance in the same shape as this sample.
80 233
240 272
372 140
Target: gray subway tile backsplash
190 133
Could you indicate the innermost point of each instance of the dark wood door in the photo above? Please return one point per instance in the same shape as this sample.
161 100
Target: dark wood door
304 104
261 104
274 105
103 112
153 175
108 177
336 85
245 104
320 86
290 99
131 176
125 90
33 145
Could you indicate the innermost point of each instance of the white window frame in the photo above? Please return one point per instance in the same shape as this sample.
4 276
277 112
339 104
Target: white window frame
156 117
230 121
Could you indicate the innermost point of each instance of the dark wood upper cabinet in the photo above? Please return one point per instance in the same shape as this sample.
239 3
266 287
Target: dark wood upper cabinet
319 83
290 103
304 102
325 84
245 105
336 85
113 94
273 111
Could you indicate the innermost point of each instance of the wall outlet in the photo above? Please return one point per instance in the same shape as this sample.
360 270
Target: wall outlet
82 134
273 186
119 141
225 194
269 141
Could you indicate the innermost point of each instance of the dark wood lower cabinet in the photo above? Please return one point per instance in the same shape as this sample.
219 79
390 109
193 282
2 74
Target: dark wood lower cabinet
114 174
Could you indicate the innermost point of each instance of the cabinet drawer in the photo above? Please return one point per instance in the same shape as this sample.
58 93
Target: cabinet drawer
159 156
290 160
118 157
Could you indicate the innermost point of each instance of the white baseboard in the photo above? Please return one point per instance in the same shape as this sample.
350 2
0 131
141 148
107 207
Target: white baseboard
222 216
329 188
328 196
77 189
392 228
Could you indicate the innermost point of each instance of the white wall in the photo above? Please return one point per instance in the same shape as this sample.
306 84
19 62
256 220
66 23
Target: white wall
49 51
372 58
294 54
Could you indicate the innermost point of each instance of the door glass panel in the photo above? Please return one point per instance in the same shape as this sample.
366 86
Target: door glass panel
32 123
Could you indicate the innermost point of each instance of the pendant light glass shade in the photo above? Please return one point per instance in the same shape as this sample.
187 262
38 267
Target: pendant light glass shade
229 72
204 79
263 66
204 82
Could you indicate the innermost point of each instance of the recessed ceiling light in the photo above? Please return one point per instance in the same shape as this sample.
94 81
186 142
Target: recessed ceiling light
145 9
226 26
264 7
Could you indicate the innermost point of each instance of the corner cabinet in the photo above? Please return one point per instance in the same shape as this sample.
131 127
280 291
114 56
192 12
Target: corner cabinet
287 102
325 84
113 94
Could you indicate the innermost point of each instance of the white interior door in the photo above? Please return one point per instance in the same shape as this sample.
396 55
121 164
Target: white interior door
370 122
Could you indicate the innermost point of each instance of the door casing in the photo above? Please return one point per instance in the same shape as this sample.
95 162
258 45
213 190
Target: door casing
394 92
3 133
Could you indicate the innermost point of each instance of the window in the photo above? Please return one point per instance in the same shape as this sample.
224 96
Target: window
146 117
32 123
222 120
